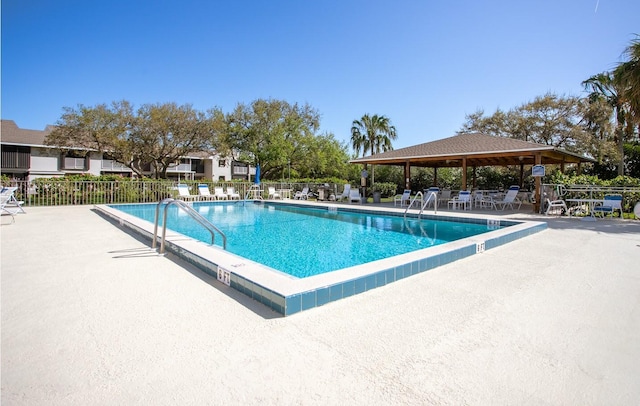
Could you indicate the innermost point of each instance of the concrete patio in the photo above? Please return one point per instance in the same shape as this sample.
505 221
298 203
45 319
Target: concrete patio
90 315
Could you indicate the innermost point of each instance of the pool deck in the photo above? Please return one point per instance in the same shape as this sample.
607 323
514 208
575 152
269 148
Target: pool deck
91 315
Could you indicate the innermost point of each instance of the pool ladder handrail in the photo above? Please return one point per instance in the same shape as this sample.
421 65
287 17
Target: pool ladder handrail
433 195
192 213
420 195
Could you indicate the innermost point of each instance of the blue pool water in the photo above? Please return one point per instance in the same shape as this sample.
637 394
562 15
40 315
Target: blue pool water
303 241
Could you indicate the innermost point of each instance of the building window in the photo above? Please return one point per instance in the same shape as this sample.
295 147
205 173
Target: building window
73 160
221 178
15 157
240 170
222 163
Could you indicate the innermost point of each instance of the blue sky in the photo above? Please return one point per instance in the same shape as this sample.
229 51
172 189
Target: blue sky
423 64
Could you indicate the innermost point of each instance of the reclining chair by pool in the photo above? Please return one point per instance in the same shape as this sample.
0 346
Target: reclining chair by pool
354 196
219 193
509 199
232 194
204 193
184 193
9 204
345 193
302 195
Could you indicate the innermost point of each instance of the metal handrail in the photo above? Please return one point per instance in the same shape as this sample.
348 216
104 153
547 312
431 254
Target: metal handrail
191 212
412 201
433 195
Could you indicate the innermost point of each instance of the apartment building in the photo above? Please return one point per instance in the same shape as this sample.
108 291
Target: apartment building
24 156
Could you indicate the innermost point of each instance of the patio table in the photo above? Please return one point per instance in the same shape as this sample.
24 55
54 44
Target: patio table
590 203
285 193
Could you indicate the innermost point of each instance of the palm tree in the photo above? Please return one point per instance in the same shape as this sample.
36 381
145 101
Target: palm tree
603 87
373 134
627 76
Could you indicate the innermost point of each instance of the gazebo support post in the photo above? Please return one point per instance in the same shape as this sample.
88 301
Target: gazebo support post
473 178
464 173
435 176
536 205
407 175
521 176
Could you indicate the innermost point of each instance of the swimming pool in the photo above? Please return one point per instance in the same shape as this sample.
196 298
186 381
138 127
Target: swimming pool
307 241
289 295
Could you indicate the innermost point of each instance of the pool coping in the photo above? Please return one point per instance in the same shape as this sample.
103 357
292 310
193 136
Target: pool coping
289 295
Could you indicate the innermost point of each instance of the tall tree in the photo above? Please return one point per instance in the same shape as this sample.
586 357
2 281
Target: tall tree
156 135
603 87
104 128
372 134
272 133
166 132
565 122
627 77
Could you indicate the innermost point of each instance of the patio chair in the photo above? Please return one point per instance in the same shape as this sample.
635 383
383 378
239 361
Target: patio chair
232 194
9 204
273 194
609 205
354 196
11 201
345 193
426 198
444 197
204 193
463 199
184 193
302 195
480 200
553 205
219 193
404 198
509 199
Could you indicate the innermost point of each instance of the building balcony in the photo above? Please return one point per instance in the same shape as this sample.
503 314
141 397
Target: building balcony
110 165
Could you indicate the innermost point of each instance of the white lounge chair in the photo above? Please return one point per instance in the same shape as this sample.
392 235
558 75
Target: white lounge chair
204 193
553 205
219 193
9 204
232 194
609 205
184 193
354 196
273 194
463 199
404 198
345 193
302 195
509 199
11 201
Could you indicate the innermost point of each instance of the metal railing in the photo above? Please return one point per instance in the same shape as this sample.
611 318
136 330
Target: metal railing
66 191
412 201
189 210
432 195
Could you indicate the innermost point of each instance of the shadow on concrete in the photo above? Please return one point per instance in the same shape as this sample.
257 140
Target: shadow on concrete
141 252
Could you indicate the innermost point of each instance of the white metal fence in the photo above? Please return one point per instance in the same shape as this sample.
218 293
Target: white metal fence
54 192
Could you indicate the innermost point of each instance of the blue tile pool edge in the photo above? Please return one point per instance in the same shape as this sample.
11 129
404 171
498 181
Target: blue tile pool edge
289 304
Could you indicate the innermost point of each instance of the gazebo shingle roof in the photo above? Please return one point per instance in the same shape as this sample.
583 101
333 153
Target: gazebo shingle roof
478 149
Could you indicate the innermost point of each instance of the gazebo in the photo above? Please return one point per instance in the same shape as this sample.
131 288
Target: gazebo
475 150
